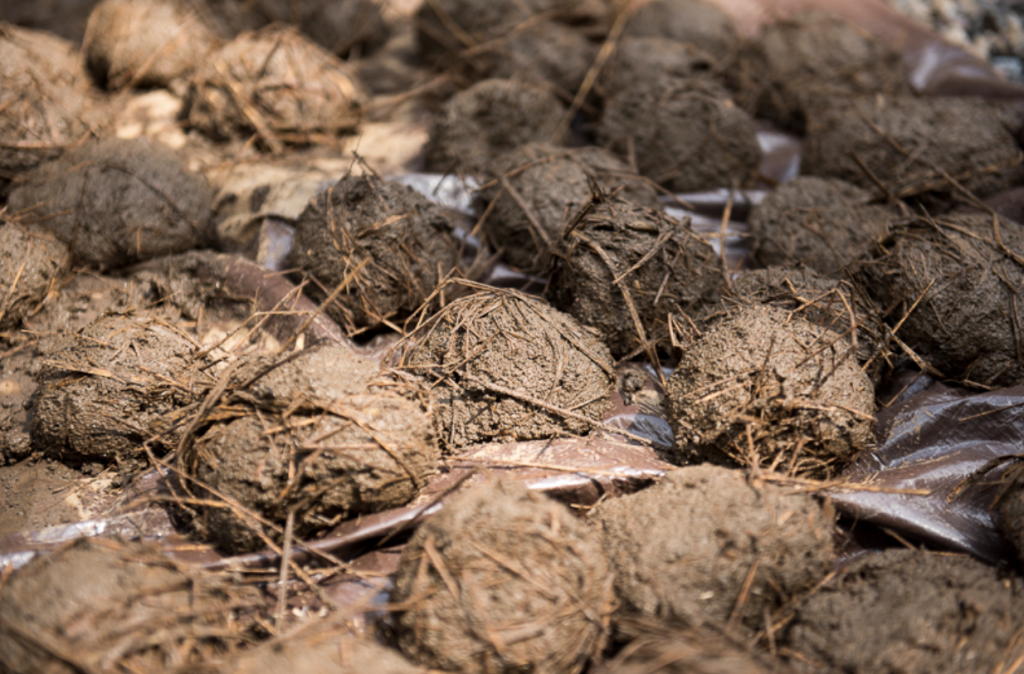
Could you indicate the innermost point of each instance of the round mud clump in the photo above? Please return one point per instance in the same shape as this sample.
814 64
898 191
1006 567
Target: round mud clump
952 282
384 245
544 53
507 367
911 612
318 439
797 61
685 134
891 140
707 546
114 202
30 263
830 303
488 119
821 223
696 22
537 190
106 605
240 90
651 60
143 42
762 387
624 268
342 27
503 580
117 384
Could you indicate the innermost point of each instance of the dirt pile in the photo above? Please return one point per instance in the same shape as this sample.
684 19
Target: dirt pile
375 249
539 187
31 262
624 268
650 60
342 27
114 202
707 547
696 22
912 612
106 605
762 387
506 367
239 90
820 223
684 134
503 580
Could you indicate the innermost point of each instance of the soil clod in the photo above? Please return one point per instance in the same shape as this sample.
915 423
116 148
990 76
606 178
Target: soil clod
695 22
31 262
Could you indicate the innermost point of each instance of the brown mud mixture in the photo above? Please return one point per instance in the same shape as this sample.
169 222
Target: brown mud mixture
31 264
650 60
503 579
695 22
348 28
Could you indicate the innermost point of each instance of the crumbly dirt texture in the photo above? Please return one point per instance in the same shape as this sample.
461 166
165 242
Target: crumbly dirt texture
503 580
545 53
767 388
238 91
795 62
685 548
114 202
625 268
342 27
651 60
953 283
895 138
539 188
31 262
386 243
820 223
684 134
143 42
506 367
107 605
833 304
910 612
696 22
488 119
327 447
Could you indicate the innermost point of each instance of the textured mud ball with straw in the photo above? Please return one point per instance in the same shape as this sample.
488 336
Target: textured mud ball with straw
909 611
490 118
624 268
797 61
536 190
114 202
906 146
143 42
316 439
506 367
374 250
545 53
108 605
650 60
31 263
764 388
684 134
695 22
953 287
707 546
239 92
503 580
821 223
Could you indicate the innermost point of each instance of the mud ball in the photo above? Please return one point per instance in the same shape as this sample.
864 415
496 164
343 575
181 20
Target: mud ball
342 27
705 544
909 611
894 141
797 61
321 650
762 387
239 90
1010 508
144 43
952 285
376 248
123 381
545 53
820 223
108 605
31 262
488 119
836 305
624 268
114 202
503 580
651 60
505 367
539 187
684 134
696 22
